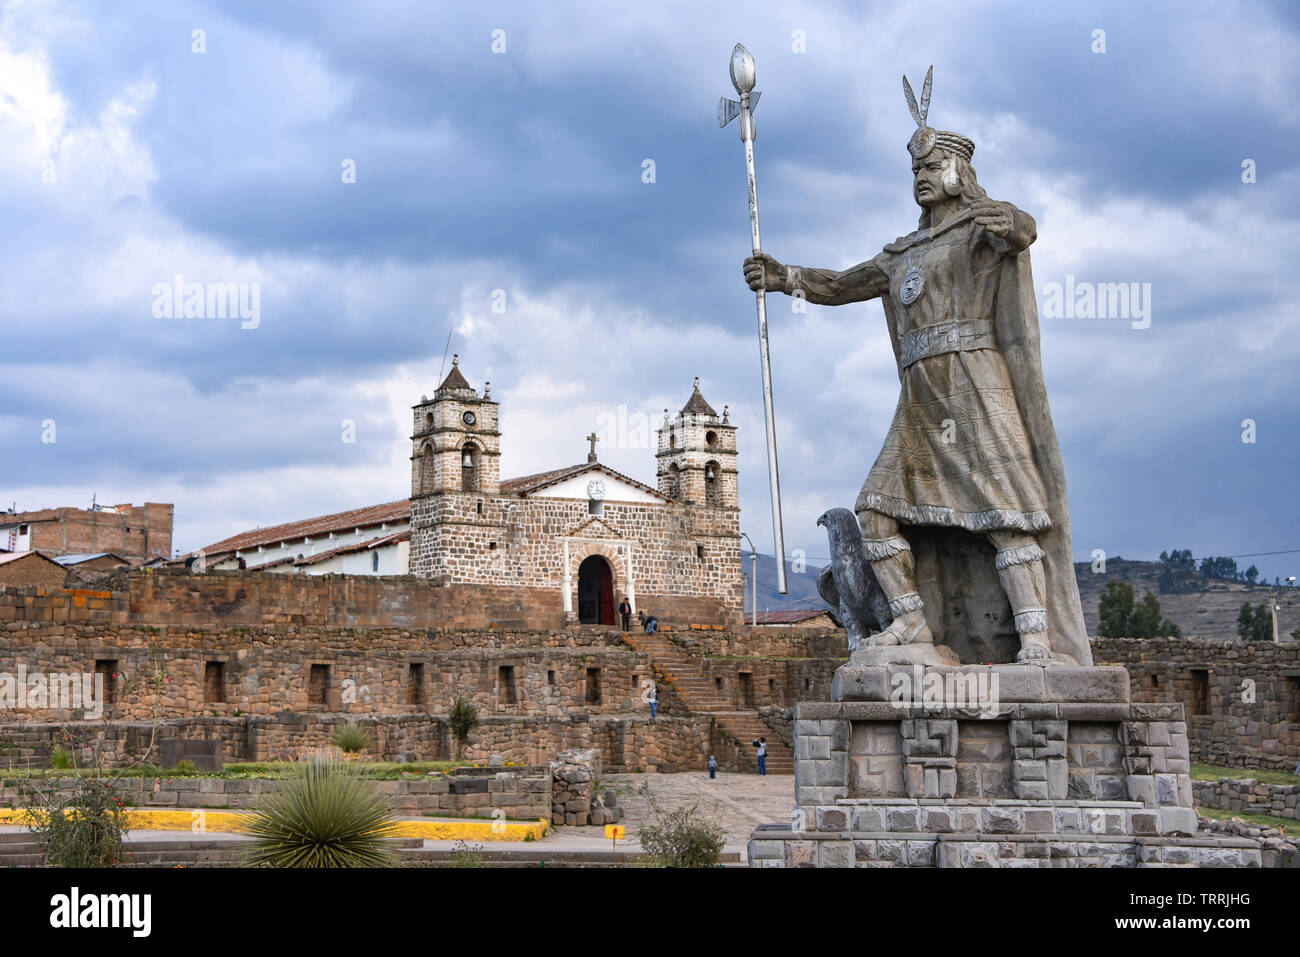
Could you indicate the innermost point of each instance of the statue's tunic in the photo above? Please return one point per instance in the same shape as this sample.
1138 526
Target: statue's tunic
957 453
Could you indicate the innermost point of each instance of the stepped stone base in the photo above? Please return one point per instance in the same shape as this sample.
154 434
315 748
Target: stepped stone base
927 833
991 766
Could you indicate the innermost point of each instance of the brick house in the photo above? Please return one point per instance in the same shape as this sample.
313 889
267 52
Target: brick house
138 533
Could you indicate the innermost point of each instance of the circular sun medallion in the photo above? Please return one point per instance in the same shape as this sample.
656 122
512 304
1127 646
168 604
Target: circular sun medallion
911 287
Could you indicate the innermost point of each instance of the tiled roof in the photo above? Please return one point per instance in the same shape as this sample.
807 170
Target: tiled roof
531 483
399 511
6 557
526 483
402 536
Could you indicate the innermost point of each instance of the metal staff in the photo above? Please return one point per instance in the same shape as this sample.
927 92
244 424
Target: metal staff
742 78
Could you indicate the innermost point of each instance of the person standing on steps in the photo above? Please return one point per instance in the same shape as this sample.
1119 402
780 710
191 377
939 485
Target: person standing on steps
625 610
761 744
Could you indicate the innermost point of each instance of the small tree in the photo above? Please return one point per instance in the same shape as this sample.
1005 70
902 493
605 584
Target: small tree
1121 619
682 837
83 828
1255 623
1115 610
463 720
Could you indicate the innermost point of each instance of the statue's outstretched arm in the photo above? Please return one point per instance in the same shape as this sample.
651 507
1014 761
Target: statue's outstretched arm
866 280
1009 230
826 287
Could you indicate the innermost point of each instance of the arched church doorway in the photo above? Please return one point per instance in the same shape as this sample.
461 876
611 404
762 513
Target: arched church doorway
595 592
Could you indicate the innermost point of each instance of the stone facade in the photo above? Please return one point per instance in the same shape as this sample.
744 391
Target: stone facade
671 550
1242 700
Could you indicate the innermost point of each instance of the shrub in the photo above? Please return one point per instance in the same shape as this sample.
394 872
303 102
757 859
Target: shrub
352 738
61 758
463 720
323 815
682 837
83 829
464 854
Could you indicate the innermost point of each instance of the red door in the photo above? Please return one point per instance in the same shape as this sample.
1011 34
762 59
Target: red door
606 594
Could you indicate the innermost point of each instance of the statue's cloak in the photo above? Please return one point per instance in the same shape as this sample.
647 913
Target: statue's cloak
965 605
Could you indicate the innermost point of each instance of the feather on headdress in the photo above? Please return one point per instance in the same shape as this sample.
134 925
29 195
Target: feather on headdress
926 138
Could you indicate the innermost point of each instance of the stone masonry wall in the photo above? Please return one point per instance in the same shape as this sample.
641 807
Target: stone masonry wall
1242 700
260 671
517 792
624 741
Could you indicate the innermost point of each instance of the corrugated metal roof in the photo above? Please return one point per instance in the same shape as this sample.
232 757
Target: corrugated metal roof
788 617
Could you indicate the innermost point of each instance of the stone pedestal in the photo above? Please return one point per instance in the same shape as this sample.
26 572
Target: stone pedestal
991 766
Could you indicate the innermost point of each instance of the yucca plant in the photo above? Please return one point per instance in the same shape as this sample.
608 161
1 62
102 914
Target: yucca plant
323 815
352 738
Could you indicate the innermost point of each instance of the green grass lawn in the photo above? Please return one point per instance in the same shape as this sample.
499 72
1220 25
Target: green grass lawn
1212 772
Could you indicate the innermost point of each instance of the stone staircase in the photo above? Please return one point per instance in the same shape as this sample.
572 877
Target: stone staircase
699 693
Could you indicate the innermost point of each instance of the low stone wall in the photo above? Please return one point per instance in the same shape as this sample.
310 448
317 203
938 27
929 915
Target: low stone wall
1248 796
630 741
521 793
1275 850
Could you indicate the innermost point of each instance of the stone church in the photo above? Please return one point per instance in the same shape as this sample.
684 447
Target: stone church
584 532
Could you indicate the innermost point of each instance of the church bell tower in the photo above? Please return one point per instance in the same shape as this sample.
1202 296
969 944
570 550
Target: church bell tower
455 444
696 457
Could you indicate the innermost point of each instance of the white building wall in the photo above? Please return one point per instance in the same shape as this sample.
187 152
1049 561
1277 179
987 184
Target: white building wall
615 491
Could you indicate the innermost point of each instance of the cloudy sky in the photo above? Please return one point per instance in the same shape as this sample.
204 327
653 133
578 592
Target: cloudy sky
134 150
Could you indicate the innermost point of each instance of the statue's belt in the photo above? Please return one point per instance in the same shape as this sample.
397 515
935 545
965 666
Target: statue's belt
958 335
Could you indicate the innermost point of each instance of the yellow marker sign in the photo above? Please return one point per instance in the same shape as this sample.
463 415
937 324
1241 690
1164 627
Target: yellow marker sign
615 832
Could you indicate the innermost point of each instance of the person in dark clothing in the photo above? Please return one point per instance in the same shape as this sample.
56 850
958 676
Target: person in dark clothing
625 610
648 622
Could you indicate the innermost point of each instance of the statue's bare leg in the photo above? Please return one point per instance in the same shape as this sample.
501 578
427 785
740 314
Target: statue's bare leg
891 559
1020 569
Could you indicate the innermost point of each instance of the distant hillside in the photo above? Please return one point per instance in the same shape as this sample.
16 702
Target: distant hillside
1208 611
802 587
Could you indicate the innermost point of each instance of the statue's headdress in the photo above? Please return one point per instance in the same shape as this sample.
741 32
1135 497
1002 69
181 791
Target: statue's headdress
925 138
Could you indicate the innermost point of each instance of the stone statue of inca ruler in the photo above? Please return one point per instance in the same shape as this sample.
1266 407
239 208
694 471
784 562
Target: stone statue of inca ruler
963 516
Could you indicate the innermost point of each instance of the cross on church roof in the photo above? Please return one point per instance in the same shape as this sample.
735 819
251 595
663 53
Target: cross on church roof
591 456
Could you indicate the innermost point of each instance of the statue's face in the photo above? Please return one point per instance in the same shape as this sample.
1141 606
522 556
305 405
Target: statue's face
927 178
